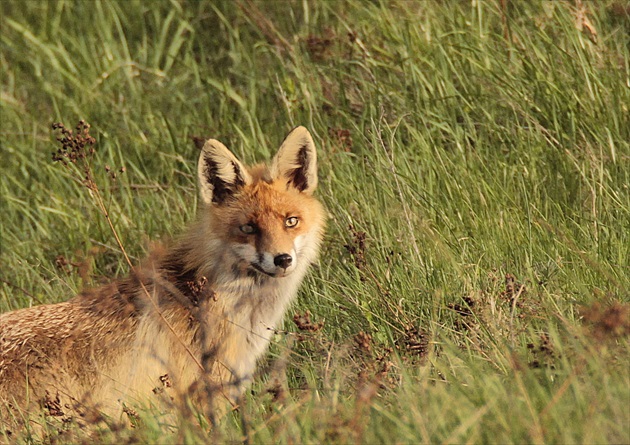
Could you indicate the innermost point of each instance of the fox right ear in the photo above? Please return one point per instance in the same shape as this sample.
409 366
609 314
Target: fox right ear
221 175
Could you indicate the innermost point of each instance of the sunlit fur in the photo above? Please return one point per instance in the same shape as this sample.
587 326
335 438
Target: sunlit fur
191 322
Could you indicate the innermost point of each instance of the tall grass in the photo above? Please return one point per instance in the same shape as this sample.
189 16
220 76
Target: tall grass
474 159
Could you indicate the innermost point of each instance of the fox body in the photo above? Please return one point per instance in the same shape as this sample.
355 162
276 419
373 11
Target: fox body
192 321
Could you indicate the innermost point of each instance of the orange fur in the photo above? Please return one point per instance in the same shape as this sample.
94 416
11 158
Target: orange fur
197 315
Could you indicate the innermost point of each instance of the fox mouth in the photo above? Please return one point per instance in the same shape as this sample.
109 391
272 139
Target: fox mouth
257 268
263 271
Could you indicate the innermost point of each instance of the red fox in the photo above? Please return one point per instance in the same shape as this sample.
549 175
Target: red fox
191 322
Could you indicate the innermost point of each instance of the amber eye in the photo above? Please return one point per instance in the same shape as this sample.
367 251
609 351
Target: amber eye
291 221
248 229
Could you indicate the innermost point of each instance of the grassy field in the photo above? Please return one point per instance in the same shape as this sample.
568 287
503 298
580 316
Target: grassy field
475 161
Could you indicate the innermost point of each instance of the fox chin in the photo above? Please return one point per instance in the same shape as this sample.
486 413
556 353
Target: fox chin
190 323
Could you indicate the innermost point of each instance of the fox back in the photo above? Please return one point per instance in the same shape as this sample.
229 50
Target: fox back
191 322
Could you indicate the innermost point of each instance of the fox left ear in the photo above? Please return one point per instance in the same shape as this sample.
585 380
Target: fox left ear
296 161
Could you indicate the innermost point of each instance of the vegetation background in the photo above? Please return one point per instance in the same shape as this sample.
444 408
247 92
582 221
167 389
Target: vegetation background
475 161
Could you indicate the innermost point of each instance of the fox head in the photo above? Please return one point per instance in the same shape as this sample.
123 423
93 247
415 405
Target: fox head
263 220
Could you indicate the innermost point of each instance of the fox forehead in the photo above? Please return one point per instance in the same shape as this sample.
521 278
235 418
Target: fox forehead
268 203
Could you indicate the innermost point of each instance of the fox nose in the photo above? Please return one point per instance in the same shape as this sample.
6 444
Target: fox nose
283 260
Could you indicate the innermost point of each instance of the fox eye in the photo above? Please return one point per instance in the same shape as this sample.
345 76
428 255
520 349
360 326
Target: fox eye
248 229
291 221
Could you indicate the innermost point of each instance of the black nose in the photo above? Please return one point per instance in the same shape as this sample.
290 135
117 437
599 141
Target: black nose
283 260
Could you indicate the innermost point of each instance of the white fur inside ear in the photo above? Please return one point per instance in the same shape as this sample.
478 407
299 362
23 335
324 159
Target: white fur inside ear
220 173
296 161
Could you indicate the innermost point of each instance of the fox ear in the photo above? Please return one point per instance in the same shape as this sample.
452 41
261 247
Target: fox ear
221 175
296 161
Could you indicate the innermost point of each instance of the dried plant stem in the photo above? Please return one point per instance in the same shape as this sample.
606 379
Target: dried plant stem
73 149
